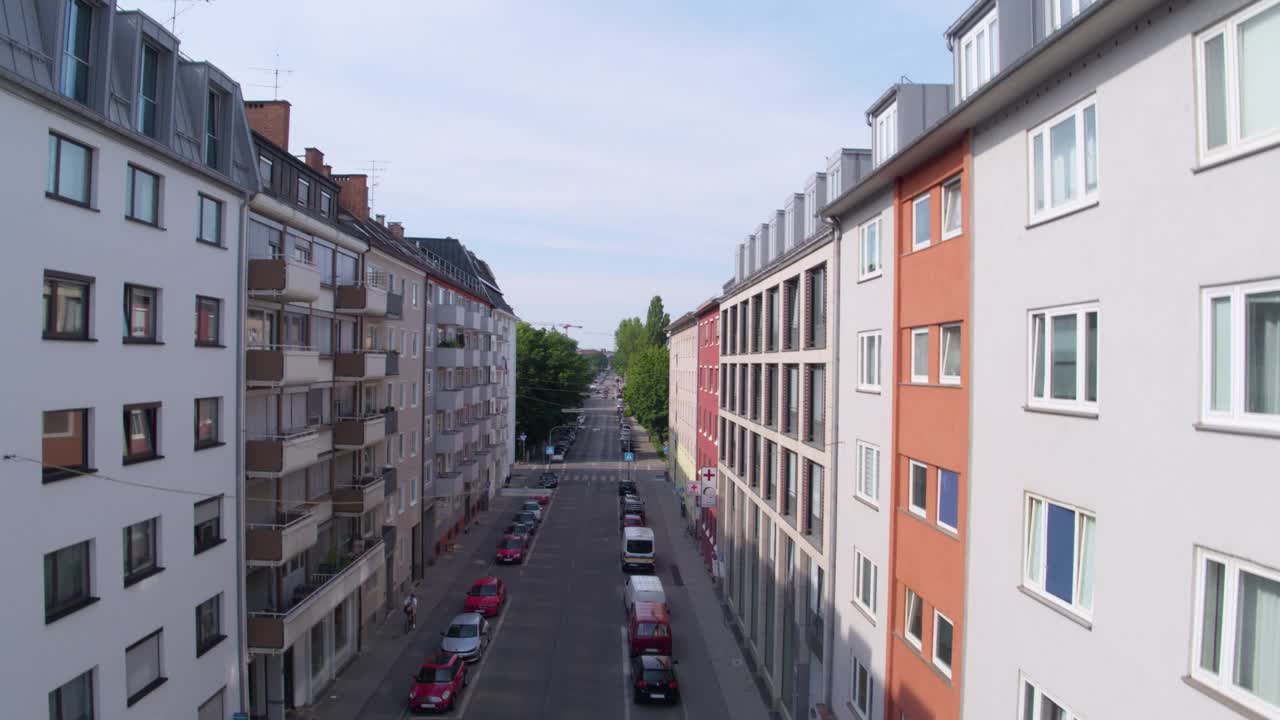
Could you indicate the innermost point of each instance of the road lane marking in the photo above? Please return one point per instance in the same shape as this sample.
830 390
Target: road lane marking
626 675
473 681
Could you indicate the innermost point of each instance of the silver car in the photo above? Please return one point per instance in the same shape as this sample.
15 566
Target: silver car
467 636
533 507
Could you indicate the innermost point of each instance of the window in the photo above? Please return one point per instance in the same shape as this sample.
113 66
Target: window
413 448
770 395
920 355
920 222
74 700
210 227
76 50
1064 162
833 181
326 203
64 444
266 170
213 709
918 492
768 468
413 295
70 170
304 191
413 394
208 426
1036 704
869 250
1234 59
791 416
148 90
869 361
142 667
208 524
213 130
66 307
791 290
949 365
773 323
810 211
209 624
862 689
140 441
1059 12
979 54
67 580
789 480
1242 355
1237 623
140 558
140 306
1064 358
1059 554
913 627
943 631
815 406
816 480
866 575
949 500
886 133
817 307
951 209
208 321
868 487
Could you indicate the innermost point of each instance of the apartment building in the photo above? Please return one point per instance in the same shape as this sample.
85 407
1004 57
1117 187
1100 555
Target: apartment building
682 404
708 407
316 415
128 174
775 461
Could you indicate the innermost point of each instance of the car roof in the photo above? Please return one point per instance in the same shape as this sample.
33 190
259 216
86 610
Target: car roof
645 582
631 516
646 611
638 533
466 619
486 580
440 659
654 662
512 536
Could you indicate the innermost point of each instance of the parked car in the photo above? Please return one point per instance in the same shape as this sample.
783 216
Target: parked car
527 516
486 596
520 529
511 549
467 637
534 507
648 630
631 520
626 487
438 683
550 480
543 499
653 677
638 549
643 588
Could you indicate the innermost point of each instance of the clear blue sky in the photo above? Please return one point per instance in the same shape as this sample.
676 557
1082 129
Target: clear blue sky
595 153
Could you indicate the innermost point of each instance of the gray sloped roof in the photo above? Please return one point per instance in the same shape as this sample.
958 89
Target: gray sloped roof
462 266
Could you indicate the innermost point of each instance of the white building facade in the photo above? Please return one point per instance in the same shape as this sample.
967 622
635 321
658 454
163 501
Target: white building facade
682 402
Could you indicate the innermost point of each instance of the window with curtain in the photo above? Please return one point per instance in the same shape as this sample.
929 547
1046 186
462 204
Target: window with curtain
1236 62
142 666
1241 355
869 250
1064 162
1064 358
868 485
1059 552
1236 646
74 699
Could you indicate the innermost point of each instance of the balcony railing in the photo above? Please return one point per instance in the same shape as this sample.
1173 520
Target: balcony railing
390 480
291 533
367 299
360 365
281 365
276 455
284 278
447 357
450 315
354 433
363 494
275 630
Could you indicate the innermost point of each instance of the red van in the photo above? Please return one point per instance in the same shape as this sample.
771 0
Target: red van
648 629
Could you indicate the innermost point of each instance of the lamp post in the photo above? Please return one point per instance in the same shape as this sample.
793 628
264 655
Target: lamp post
550 434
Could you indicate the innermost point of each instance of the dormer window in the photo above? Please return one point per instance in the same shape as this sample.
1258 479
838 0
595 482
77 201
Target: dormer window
886 133
75 51
833 182
811 211
266 170
980 54
1060 12
148 90
213 129
326 203
304 192
791 225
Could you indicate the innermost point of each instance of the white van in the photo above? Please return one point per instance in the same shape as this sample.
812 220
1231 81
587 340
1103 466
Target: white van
638 549
643 588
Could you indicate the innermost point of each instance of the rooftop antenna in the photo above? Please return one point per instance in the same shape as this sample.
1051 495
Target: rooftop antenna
275 76
173 19
375 167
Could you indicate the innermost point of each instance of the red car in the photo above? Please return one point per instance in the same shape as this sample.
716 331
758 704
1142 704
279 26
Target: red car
486 596
510 549
438 683
543 499
632 520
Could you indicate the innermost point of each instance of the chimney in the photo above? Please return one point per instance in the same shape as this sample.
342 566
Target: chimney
397 229
381 219
315 159
353 195
270 118
328 170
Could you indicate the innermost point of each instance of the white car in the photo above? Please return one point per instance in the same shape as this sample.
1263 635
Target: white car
533 507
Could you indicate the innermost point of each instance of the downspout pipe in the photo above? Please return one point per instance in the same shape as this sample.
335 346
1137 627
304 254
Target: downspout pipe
242 261
828 650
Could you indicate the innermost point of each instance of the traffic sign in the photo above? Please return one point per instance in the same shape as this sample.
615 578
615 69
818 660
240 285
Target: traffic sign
664 449
550 451
693 488
628 457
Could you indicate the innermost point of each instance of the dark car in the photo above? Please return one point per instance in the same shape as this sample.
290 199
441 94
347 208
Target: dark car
521 530
550 480
653 677
626 487
438 683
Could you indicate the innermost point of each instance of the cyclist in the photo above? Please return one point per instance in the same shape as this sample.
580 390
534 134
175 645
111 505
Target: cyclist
410 612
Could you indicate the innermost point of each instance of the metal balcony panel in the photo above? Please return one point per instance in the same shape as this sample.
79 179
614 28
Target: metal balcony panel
360 366
361 300
296 531
278 367
356 433
283 454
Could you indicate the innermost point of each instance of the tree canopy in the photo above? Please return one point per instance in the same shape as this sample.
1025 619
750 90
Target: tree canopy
646 389
630 338
656 322
550 376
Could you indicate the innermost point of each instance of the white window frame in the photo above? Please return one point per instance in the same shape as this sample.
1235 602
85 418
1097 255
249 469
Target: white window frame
862 706
1038 698
1046 400
886 133
1084 197
916 244
1223 681
943 377
876 338
989 26
860 563
1037 585
811 210
1053 14
916 642
948 234
868 489
413 394
1235 146
413 294
833 180
917 333
921 510
864 245
943 667
1235 416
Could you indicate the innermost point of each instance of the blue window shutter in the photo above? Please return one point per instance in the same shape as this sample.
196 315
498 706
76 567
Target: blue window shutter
1060 553
948 498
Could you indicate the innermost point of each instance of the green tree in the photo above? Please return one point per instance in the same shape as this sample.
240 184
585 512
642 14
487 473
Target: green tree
656 322
646 390
630 338
550 376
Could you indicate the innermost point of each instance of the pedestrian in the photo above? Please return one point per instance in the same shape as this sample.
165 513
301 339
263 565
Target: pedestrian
410 612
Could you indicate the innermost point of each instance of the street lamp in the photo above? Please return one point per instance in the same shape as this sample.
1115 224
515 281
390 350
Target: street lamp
550 433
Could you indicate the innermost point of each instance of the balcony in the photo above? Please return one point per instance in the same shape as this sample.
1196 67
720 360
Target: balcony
354 433
474 319
393 364
450 315
291 533
390 481
367 300
360 365
448 399
277 455
273 631
280 365
448 357
363 494
393 421
284 279
395 305
448 441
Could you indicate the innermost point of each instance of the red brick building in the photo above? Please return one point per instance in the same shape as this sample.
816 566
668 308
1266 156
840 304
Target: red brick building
708 315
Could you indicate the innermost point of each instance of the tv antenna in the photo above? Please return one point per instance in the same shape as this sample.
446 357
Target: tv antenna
173 19
375 168
275 76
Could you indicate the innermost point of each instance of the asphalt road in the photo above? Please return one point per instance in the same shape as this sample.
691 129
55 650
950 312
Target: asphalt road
558 650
